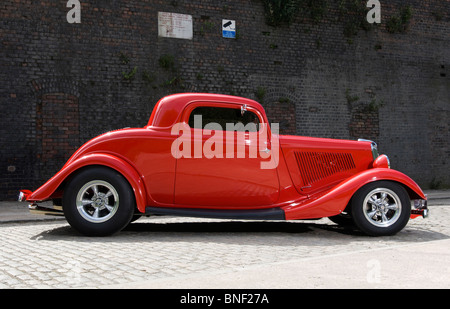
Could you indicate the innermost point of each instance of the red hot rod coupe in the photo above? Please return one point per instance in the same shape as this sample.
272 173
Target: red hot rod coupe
235 167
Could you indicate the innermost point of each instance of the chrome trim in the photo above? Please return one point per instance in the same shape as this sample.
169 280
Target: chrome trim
243 109
368 140
424 212
420 207
389 161
419 203
373 147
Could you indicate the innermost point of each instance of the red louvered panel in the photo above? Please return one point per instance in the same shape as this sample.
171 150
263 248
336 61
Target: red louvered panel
317 166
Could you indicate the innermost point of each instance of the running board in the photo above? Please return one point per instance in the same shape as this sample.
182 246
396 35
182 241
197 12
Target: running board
247 214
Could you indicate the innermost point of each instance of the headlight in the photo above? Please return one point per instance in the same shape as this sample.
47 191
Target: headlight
382 161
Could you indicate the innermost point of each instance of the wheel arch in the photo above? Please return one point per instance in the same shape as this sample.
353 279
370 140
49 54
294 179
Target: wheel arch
59 181
411 193
336 200
383 174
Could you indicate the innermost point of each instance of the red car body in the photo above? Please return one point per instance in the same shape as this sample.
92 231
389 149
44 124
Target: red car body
312 177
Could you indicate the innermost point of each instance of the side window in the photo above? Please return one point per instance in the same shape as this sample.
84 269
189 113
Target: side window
236 121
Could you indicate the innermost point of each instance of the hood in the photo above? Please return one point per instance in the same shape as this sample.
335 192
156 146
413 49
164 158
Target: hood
317 163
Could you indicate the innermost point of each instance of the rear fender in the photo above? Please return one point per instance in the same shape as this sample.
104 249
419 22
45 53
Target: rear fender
335 200
46 191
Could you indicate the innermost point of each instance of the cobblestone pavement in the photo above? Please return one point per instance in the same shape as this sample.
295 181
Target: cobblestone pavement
53 255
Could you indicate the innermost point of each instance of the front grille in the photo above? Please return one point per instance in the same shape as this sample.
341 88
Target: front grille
316 166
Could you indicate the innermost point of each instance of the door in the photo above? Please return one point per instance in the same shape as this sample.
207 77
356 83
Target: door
219 158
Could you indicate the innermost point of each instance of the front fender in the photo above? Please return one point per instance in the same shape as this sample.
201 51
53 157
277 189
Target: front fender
46 191
334 201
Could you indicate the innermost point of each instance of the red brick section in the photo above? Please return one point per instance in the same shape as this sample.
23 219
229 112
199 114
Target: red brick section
58 130
364 124
284 114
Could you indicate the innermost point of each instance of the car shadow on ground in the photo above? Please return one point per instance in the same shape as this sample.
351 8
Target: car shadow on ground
258 227
248 232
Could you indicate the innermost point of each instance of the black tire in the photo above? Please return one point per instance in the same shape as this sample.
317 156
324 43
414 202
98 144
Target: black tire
381 208
98 201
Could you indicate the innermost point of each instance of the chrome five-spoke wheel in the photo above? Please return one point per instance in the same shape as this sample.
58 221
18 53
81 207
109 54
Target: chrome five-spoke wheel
97 201
382 207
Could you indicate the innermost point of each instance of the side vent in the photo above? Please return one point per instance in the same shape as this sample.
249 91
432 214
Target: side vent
315 166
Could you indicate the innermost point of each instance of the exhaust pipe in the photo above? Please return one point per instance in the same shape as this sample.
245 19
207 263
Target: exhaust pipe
36 209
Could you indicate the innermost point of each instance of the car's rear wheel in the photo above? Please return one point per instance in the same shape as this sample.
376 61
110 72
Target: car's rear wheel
381 208
98 201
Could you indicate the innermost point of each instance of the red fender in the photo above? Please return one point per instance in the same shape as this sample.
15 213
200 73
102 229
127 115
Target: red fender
46 191
334 201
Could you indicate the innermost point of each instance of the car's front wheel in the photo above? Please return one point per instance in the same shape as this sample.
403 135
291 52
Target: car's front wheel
98 201
381 208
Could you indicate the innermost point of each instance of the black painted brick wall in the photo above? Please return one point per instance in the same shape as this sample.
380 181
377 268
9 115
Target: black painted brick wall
62 84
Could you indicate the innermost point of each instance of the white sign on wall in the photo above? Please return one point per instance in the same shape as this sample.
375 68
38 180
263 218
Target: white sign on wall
173 25
229 28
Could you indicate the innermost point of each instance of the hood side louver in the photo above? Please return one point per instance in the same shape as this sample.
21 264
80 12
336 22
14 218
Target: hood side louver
315 166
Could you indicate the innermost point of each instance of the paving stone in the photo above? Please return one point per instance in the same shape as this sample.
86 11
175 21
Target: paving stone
52 255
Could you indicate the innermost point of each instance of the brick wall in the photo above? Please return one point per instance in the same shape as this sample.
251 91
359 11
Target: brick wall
63 80
57 131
